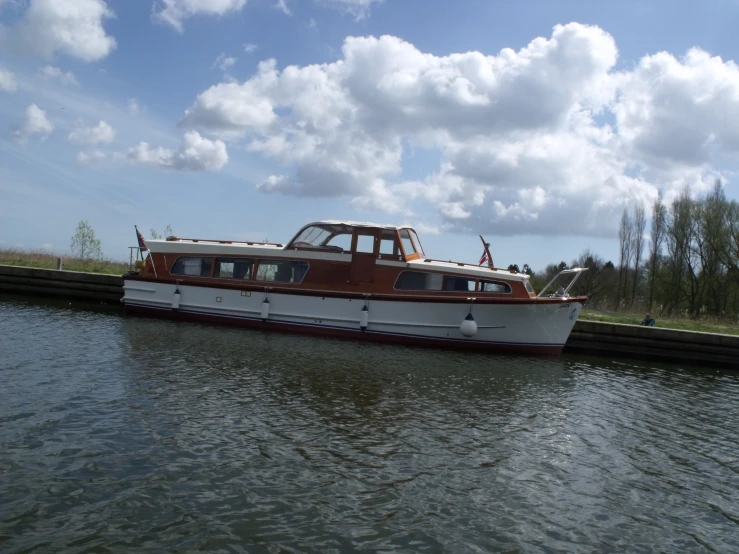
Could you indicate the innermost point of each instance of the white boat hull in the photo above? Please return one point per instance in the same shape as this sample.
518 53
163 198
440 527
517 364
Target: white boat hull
521 326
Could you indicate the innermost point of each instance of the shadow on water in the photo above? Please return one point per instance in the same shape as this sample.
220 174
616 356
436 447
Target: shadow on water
123 433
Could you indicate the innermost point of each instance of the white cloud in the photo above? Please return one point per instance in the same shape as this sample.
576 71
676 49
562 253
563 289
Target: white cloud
70 27
87 157
102 133
224 63
249 48
195 154
282 6
174 12
36 123
51 73
522 137
7 81
358 8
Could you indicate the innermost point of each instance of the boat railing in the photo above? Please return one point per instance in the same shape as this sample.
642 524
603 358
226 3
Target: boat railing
249 243
577 271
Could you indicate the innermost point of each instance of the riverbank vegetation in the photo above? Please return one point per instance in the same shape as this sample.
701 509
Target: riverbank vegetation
683 267
48 260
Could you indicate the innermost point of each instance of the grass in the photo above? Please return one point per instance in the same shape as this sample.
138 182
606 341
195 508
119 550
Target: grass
47 260
685 324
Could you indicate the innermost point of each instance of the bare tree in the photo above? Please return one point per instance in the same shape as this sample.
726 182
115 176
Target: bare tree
640 222
625 233
657 236
85 245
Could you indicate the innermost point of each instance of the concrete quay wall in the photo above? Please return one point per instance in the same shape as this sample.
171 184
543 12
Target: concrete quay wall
61 283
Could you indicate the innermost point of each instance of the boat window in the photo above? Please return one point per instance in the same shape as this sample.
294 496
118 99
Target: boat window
461 284
529 288
312 236
233 268
341 241
495 286
366 243
192 266
389 244
418 243
417 280
281 271
405 237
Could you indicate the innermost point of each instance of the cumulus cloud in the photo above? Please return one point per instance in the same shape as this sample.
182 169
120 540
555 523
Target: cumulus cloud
7 81
174 12
523 137
35 123
70 27
51 73
102 133
195 154
250 48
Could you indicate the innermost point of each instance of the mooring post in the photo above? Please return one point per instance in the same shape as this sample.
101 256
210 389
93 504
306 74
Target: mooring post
59 263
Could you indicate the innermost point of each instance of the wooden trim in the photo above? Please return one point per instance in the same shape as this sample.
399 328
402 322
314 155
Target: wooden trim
441 297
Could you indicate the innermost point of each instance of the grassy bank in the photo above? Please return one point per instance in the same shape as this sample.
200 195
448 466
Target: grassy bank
47 260
684 324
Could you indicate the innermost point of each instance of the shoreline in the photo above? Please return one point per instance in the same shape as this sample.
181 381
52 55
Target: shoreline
698 348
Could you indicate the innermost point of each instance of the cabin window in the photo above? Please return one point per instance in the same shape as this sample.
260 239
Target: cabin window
417 280
366 243
281 271
460 284
233 268
496 286
192 266
341 242
405 238
389 246
529 288
418 243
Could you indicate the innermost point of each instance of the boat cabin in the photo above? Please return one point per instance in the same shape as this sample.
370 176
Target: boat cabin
332 256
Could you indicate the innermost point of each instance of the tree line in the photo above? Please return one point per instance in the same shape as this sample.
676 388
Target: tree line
686 265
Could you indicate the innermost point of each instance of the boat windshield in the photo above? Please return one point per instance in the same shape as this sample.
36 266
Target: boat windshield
335 236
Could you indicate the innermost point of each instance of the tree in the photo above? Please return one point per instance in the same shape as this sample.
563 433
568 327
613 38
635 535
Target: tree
167 233
640 222
514 267
625 232
527 269
657 235
85 245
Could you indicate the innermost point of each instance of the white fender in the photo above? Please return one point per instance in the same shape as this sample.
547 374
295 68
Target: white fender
176 299
363 318
468 326
265 309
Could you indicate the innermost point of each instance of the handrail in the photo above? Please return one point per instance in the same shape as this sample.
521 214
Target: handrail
577 270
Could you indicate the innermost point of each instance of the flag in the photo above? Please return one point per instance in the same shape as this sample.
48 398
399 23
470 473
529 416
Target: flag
142 244
483 258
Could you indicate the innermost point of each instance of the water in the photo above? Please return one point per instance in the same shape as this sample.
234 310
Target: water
122 434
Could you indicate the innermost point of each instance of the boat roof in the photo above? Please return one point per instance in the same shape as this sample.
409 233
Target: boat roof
358 224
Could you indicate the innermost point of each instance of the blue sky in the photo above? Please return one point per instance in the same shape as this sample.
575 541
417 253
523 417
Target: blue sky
533 123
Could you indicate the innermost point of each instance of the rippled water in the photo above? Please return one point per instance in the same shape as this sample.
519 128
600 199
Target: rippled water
120 434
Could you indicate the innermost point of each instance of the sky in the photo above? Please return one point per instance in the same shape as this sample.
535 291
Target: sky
531 123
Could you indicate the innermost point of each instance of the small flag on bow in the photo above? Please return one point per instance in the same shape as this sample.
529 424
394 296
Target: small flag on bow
142 244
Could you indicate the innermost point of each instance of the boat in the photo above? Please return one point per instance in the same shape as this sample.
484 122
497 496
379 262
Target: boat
354 280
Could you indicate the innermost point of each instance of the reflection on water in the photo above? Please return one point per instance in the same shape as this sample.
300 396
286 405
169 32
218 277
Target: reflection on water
121 433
